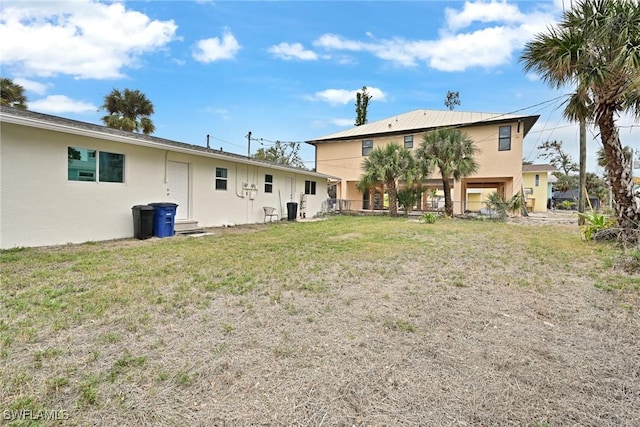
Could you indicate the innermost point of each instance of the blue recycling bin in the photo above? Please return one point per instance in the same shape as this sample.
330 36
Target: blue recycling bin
164 219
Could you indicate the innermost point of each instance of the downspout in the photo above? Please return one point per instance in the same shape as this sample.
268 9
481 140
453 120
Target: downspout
236 184
166 166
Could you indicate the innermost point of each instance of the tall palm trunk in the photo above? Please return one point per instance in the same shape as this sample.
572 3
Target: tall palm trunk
618 169
448 204
393 197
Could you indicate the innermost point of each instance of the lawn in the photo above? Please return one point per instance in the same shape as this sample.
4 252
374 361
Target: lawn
364 321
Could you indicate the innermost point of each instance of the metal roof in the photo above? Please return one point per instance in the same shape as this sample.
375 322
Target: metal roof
424 120
60 124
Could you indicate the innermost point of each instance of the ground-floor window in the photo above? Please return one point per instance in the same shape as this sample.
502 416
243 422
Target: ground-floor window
221 178
268 183
85 164
309 187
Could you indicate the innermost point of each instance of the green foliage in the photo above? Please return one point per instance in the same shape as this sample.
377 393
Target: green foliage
389 164
12 94
282 153
595 50
452 100
566 205
555 154
129 111
594 222
429 217
452 152
408 197
502 206
362 103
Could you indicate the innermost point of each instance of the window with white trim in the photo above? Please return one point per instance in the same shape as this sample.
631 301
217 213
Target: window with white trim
221 179
408 141
309 187
537 180
268 183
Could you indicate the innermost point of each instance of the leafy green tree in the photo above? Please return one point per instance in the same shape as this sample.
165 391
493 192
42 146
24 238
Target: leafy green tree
282 153
452 152
12 94
390 164
452 100
560 159
362 104
596 49
129 110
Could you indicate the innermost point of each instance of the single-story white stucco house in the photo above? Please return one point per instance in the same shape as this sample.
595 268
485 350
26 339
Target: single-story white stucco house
66 181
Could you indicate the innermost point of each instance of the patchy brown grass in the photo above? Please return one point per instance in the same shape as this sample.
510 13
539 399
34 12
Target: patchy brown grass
349 321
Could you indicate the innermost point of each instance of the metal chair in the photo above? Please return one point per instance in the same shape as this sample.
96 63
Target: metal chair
269 212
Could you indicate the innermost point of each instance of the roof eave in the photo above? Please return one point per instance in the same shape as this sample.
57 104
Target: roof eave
132 140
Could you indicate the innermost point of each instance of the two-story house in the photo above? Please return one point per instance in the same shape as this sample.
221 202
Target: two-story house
498 138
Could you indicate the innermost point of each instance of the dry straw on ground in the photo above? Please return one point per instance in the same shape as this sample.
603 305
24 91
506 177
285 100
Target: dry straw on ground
352 321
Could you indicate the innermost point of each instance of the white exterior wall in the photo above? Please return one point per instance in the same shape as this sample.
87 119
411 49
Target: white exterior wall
40 206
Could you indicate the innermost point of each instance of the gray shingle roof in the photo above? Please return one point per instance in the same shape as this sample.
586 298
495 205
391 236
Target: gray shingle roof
543 167
423 120
35 119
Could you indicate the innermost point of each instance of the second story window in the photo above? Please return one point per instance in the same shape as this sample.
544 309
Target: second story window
504 138
537 180
408 142
367 147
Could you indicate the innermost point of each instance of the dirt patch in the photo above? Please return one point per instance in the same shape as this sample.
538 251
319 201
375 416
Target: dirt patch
439 326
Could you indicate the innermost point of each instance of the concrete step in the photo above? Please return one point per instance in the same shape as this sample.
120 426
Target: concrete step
187 226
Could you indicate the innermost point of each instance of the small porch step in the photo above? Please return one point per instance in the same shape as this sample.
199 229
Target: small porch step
187 226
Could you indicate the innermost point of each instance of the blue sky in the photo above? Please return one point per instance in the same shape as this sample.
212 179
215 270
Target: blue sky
284 70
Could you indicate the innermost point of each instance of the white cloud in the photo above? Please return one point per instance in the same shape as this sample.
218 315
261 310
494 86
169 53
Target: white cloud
344 96
502 29
85 38
342 122
215 49
31 86
61 104
288 51
223 113
483 11
532 77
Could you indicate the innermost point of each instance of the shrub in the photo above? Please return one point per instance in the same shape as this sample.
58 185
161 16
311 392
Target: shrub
429 218
499 204
594 223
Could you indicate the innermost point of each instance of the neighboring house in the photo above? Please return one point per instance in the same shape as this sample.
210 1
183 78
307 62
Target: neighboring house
498 137
537 185
65 181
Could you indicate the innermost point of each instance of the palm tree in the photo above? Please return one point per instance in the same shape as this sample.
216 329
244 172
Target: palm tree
129 111
596 48
367 184
12 94
389 164
451 151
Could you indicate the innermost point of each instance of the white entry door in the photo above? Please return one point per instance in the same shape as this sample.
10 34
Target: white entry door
178 188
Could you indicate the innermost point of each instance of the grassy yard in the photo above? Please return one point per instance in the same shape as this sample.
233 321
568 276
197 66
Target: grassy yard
364 321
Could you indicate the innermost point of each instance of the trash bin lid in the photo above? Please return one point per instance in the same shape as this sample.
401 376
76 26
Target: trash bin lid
142 208
164 204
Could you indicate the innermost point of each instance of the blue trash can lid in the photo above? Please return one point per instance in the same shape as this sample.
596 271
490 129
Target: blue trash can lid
164 204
